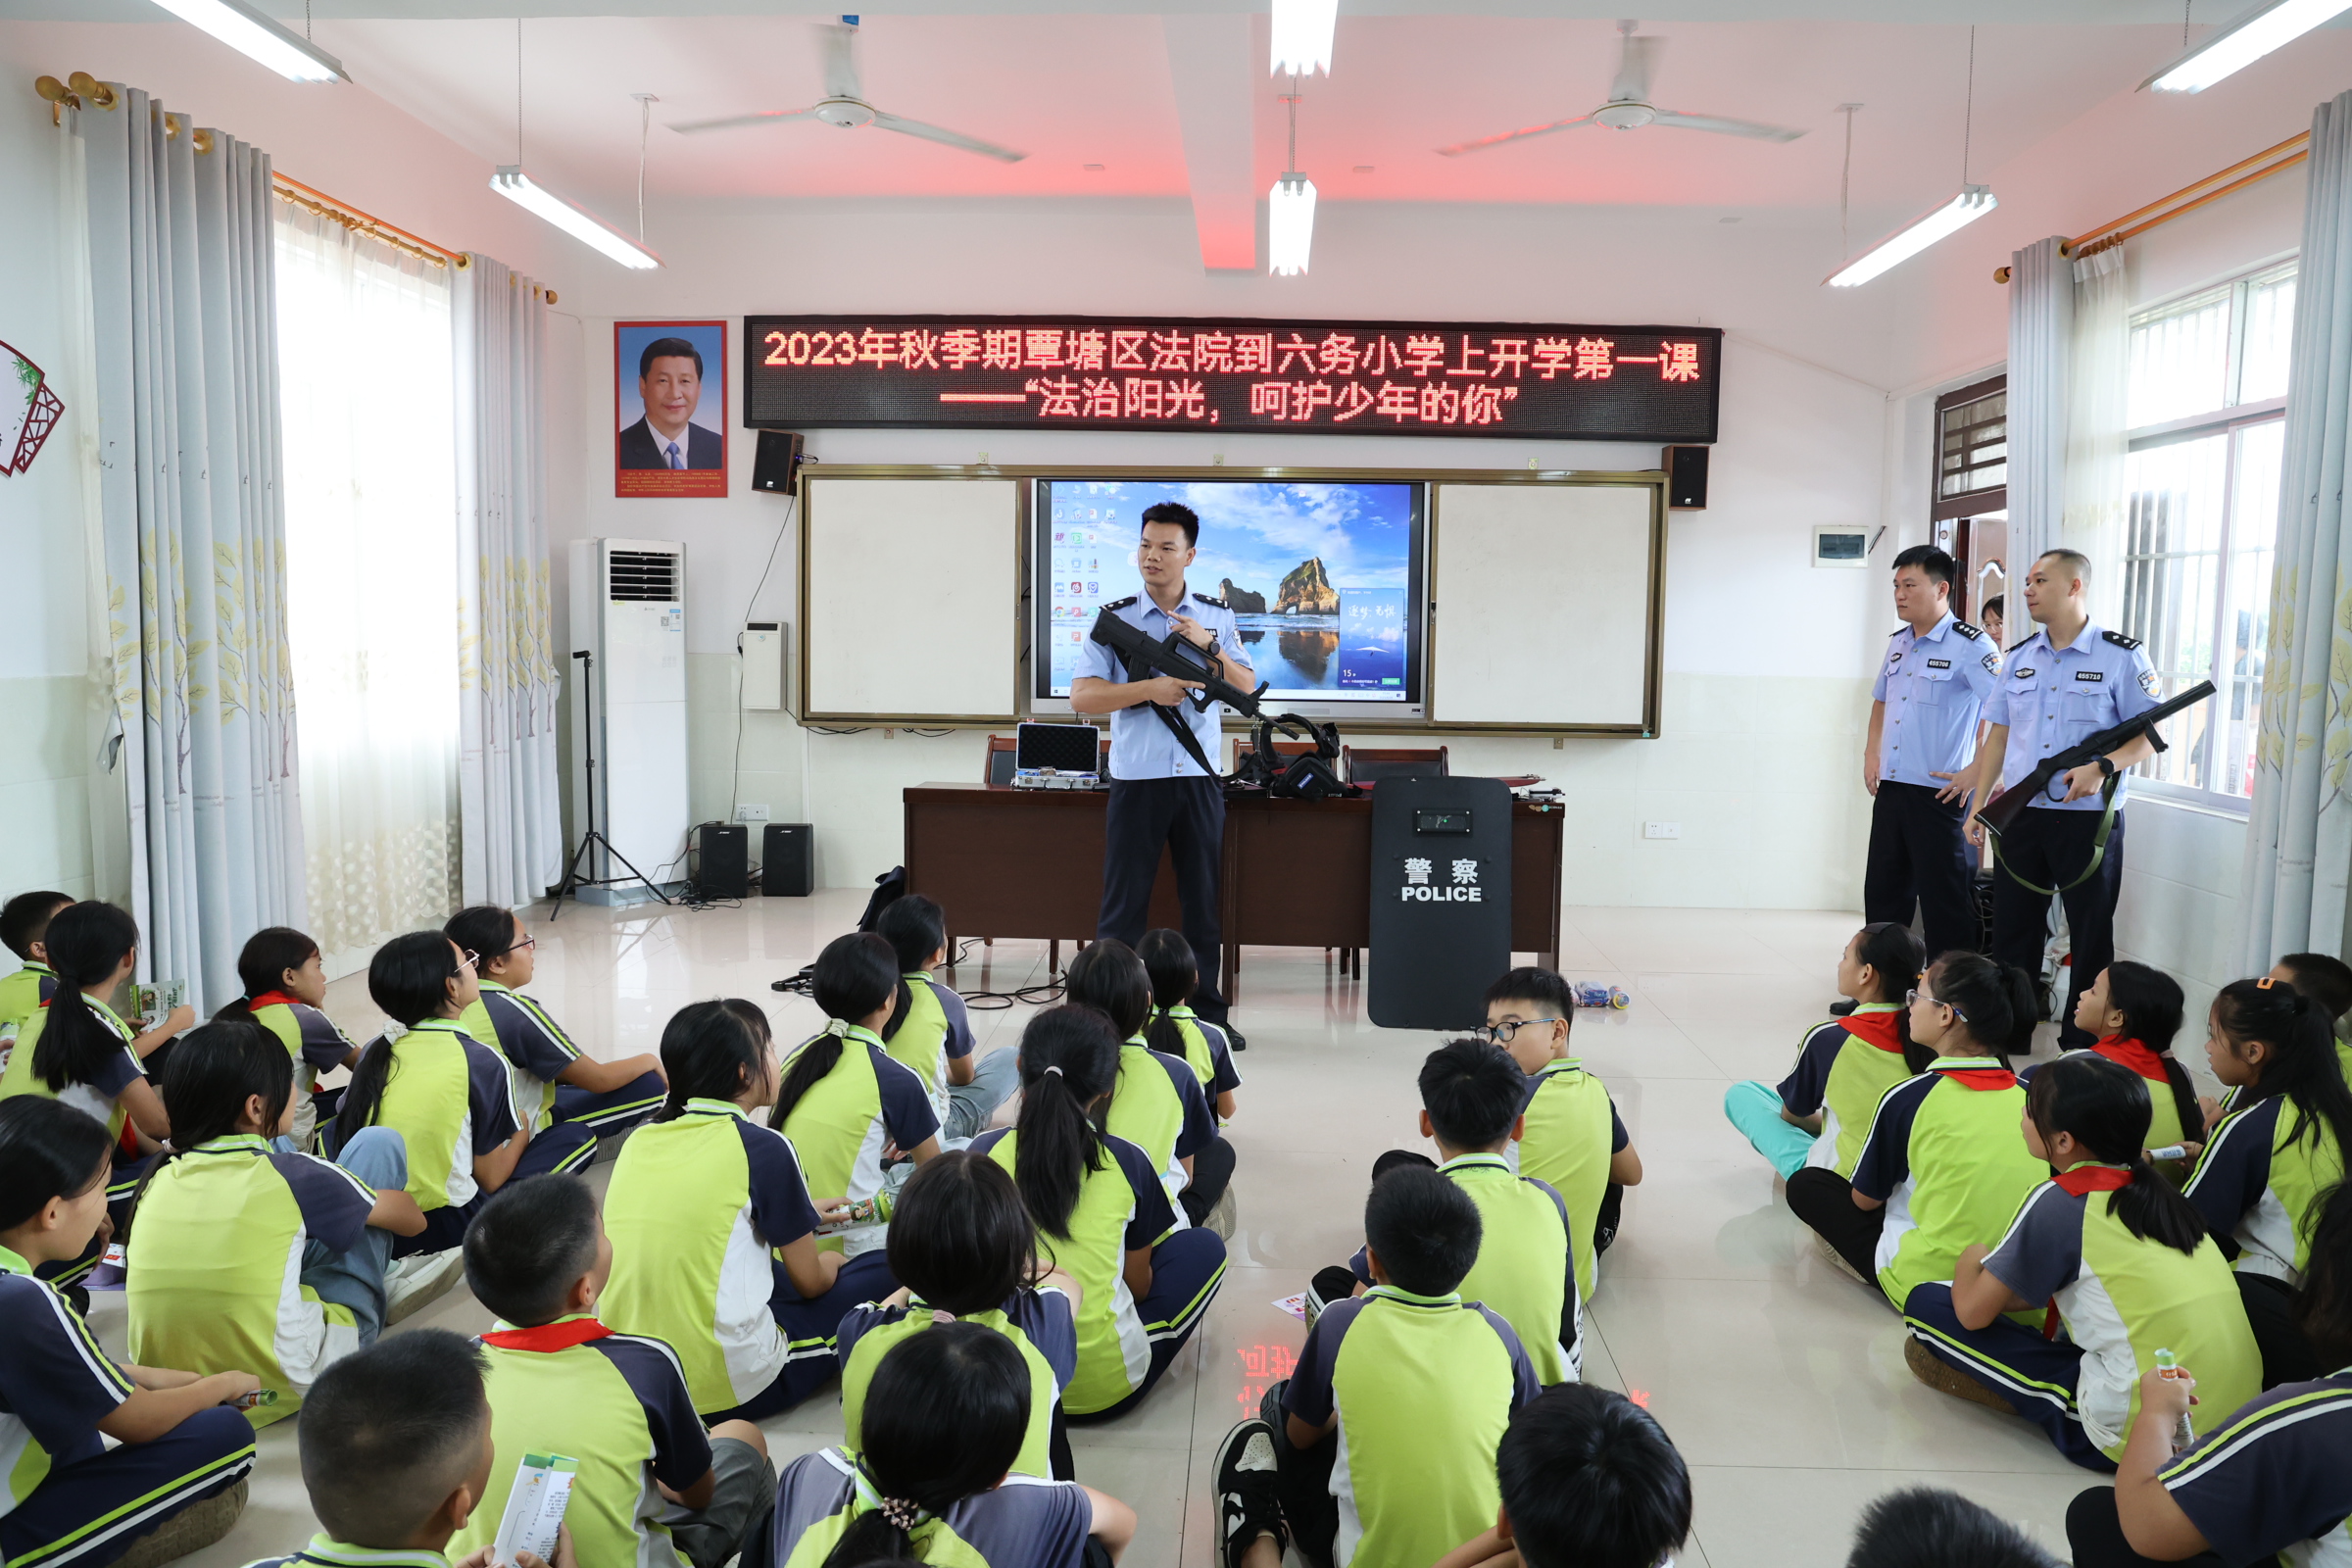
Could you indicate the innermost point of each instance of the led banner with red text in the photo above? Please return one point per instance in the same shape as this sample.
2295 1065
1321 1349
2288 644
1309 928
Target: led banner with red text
1556 383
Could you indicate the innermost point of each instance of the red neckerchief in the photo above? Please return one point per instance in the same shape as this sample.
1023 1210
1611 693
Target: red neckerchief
269 999
2135 1055
1979 1078
562 1335
1876 1029
2083 1180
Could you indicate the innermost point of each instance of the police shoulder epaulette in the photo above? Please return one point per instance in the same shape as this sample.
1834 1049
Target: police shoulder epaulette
1214 604
1971 633
1122 603
2020 643
2121 641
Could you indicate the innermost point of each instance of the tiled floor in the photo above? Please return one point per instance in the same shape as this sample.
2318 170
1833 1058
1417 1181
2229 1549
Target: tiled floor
1782 1381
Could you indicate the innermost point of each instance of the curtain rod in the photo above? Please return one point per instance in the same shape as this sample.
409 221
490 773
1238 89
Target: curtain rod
2106 236
295 193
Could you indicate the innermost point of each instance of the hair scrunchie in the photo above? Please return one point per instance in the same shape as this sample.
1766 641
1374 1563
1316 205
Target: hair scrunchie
838 1026
1055 1071
903 1514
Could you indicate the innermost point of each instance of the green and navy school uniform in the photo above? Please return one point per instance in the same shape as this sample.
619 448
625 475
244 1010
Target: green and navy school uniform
2164 1111
2258 1185
1123 1344
1207 1052
1037 1321
1945 1155
616 1403
1424 1386
937 1030
1157 1107
64 1498
214 1266
317 1045
322 1552
101 1099
1024 1523
539 1051
1572 1129
2120 1298
837 1127
1845 1068
21 995
2272 1477
452 1100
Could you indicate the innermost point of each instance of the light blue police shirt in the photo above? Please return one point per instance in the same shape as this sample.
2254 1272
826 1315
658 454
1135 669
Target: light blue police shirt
2052 698
1141 746
1934 688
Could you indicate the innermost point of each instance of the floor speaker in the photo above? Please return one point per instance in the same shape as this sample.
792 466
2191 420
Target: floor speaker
1685 479
777 460
724 870
788 859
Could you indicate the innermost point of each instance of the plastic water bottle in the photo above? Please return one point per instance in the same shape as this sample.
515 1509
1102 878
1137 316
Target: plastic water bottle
2168 1365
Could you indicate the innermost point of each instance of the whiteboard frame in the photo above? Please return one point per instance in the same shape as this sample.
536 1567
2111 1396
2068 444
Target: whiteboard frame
1653 651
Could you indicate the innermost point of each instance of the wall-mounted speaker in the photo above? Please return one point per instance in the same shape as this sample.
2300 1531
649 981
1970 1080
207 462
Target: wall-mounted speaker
788 859
776 461
1685 479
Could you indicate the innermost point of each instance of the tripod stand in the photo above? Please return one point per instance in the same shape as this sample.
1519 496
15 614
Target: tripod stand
593 837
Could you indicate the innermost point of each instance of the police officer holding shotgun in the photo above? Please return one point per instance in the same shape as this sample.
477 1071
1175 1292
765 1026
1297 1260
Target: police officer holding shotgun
1160 792
2060 686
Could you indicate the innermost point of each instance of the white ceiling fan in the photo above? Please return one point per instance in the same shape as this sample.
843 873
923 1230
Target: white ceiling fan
1628 107
844 105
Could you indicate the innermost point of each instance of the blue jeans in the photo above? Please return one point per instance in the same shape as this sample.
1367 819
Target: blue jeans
1755 1109
994 1077
378 1156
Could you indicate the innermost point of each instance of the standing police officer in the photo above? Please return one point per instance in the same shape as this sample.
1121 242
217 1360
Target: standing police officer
1922 730
1159 794
2067 681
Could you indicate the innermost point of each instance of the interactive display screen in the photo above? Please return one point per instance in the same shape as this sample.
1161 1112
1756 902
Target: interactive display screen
1324 579
1547 382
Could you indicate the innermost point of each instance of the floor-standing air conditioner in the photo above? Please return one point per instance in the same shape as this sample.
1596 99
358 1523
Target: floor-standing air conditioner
629 614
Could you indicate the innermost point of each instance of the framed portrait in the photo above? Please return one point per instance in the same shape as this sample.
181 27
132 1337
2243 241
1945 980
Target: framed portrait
669 399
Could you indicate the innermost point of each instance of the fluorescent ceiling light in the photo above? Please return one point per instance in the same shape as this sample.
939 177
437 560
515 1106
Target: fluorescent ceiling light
1290 224
1972 203
246 31
572 219
1302 32
2243 42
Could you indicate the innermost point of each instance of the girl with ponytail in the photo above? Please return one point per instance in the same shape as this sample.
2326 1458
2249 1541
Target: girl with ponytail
2272 1161
2115 1252
1942 1149
1175 1030
1102 1214
847 1106
943 1422
243 1256
286 986
447 1094
1819 1112
1157 1104
2132 1012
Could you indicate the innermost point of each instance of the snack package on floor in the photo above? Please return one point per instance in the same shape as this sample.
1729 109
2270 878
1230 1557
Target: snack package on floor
1594 994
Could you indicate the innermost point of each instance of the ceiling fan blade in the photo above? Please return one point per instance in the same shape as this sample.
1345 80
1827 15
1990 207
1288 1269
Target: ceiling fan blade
766 117
1520 134
1637 63
950 138
1727 128
841 60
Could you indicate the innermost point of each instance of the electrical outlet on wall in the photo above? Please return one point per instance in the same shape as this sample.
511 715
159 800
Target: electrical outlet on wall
1661 830
750 813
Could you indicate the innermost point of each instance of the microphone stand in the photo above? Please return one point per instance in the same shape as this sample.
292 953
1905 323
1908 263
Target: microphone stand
593 837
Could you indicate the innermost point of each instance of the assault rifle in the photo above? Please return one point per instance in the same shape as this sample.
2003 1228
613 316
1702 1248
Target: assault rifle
2001 812
1173 656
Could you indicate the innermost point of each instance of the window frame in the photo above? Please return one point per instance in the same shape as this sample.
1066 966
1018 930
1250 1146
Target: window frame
1973 503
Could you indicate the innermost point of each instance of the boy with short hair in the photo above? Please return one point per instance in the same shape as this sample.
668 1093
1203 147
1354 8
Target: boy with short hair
396 1455
652 1488
2325 980
1927 1527
933 1036
1413 1384
1588 1480
24 924
1575 1140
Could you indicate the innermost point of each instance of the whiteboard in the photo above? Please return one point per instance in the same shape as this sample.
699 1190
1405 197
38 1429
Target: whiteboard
1548 604
910 599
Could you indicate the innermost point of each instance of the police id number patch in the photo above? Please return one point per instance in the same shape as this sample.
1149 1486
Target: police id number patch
1940 664
2091 674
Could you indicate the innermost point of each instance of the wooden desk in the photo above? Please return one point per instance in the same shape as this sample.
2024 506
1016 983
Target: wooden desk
1008 862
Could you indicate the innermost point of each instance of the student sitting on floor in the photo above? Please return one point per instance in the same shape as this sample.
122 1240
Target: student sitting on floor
714 1233
2132 1012
2114 1250
286 986
177 1481
569 1099
1590 1480
944 1420
1575 1141
845 1104
2270 1476
1102 1215
2325 980
1158 1105
396 1455
1926 1527
1175 1030
1411 1384
80 1050
23 926
448 1095
1818 1114
930 1031
1943 1164
2275 1157
243 1256
652 1487
964 1246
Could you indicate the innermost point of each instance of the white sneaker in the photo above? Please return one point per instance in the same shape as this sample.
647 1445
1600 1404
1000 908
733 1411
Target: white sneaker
416 1281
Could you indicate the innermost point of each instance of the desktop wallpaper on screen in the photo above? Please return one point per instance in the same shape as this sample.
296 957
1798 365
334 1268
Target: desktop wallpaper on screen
1320 576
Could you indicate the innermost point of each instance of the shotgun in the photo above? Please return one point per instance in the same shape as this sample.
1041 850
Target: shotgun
2000 813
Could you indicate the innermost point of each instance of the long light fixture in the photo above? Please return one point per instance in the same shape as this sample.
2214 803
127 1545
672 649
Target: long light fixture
2243 42
246 31
572 219
1290 208
1302 30
1972 203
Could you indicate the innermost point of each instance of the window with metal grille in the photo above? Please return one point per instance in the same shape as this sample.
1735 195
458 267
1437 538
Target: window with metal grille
1971 450
642 574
